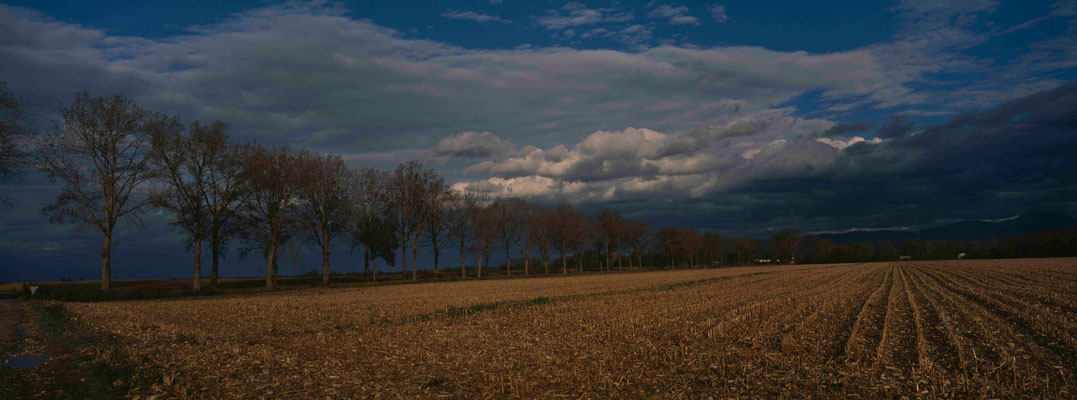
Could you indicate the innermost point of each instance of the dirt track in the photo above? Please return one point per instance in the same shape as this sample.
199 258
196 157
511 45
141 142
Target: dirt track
10 316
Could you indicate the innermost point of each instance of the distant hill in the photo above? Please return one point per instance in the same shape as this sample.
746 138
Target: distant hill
967 230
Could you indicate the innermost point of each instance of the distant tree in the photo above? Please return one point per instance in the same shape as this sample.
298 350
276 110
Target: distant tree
324 204
15 134
688 243
184 162
416 190
579 232
442 203
562 225
666 243
226 191
785 245
509 221
269 214
542 232
484 217
373 218
608 224
101 154
460 226
637 238
525 218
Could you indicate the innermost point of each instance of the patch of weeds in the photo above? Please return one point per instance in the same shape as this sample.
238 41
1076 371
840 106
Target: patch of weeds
538 301
184 338
93 293
99 366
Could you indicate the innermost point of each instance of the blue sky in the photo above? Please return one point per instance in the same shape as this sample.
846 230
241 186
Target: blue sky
736 116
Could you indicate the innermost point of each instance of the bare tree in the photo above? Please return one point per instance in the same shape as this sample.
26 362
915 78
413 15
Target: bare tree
100 152
441 206
579 231
460 224
507 218
484 219
14 136
525 214
225 193
542 232
324 205
269 213
687 243
608 223
785 245
373 217
184 161
666 239
561 229
637 238
415 190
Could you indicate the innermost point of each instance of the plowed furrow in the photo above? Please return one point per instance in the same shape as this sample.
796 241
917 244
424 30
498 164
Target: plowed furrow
868 328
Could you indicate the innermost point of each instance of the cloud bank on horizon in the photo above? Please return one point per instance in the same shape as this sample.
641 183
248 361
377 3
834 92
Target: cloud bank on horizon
707 115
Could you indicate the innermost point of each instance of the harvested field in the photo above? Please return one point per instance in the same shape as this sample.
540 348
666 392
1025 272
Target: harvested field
999 328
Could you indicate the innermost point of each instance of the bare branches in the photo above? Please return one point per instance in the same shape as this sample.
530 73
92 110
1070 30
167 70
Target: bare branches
269 215
324 200
14 137
185 162
101 153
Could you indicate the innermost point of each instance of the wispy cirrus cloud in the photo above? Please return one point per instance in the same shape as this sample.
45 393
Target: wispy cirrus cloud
576 14
676 15
717 12
473 16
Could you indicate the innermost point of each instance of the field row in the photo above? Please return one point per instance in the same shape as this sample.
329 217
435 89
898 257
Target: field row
959 329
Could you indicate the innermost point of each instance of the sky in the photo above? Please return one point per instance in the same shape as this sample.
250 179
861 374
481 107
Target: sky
736 117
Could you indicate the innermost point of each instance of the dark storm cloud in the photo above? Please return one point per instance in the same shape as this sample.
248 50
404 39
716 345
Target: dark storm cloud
844 129
997 163
897 126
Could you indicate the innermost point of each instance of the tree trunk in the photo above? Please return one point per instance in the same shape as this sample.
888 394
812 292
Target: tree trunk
366 261
463 262
564 260
373 269
216 250
325 257
414 257
106 266
607 254
478 270
197 265
437 254
579 261
546 265
271 261
508 262
527 257
404 255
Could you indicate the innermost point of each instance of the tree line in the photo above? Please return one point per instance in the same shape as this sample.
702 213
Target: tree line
116 160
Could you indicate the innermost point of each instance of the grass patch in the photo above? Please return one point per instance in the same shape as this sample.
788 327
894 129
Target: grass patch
93 293
455 312
464 311
98 368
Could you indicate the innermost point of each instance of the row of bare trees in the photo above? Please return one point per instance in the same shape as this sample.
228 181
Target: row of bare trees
117 160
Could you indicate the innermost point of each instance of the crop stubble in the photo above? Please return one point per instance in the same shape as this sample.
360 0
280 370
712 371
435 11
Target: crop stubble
1003 328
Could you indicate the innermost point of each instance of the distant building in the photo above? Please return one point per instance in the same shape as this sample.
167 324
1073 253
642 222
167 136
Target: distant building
960 256
904 258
